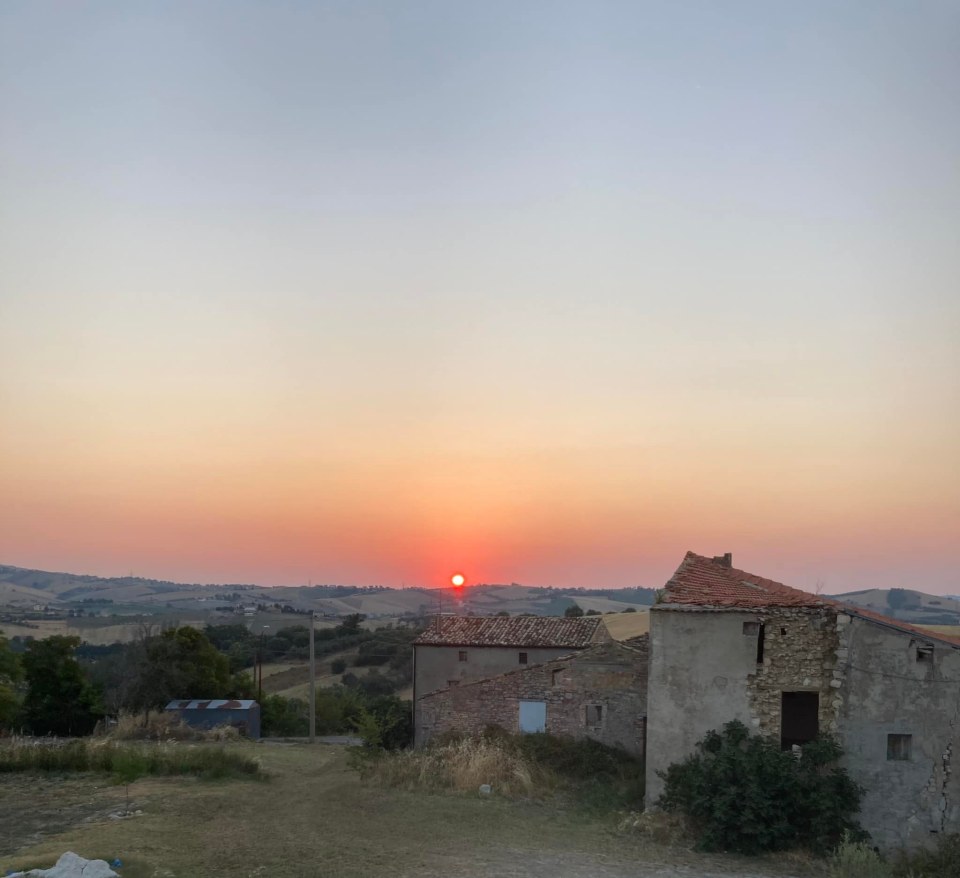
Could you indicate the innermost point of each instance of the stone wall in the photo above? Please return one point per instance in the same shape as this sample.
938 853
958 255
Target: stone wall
611 676
799 655
437 667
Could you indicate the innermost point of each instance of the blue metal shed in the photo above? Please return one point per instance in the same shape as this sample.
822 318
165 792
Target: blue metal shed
205 714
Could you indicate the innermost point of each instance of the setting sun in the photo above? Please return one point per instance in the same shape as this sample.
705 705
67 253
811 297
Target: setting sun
457 579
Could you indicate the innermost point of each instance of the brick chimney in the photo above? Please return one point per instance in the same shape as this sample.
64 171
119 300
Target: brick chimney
725 560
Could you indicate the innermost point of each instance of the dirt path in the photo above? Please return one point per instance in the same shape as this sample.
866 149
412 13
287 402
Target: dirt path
313 817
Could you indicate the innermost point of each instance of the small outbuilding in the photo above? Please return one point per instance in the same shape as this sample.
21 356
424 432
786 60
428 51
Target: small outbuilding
243 715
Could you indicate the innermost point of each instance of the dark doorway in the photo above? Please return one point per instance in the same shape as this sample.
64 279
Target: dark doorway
798 718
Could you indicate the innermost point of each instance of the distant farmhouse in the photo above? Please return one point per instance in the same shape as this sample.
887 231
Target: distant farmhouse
599 692
459 649
532 674
726 644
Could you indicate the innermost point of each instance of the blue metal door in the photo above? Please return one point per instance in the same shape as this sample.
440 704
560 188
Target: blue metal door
533 716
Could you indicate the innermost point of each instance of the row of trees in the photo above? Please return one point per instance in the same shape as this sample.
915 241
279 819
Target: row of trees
46 691
58 686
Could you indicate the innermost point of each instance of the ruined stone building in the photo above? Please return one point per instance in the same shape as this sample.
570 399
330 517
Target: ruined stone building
599 692
459 649
726 644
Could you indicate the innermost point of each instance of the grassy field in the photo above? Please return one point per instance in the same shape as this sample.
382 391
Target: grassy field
313 817
950 630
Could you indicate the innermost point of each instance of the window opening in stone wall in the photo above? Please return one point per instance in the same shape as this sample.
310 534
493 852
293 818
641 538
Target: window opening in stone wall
783 632
750 629
555 676
799 718
760 637
452 683
925 653
899 747
523 658
463 655
594 714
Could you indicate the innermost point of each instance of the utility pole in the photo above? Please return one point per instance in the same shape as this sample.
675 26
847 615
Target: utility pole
313 681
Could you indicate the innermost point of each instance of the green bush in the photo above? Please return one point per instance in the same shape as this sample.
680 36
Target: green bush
856 859
338 666
284 717
941 862
742 793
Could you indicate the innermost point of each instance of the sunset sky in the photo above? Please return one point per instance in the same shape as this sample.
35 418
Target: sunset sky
548 292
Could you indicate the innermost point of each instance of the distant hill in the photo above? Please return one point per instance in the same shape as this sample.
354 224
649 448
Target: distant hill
907 605
26 589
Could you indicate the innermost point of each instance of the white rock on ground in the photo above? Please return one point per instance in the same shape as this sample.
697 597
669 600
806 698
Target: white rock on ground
70 865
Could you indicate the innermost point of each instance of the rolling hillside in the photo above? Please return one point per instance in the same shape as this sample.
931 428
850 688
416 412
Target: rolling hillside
907 605
25 589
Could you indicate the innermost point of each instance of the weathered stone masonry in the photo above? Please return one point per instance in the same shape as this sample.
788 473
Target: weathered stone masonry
799 655
611 676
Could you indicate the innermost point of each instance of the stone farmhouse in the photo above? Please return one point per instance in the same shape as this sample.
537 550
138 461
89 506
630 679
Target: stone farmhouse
459 649
599 692
726 644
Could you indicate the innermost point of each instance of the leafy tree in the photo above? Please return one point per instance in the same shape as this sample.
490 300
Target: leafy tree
286 717
59 699
350 624
573 612
593 612
180 663
744 794
10 674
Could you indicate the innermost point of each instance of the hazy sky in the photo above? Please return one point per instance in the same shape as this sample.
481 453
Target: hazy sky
547 292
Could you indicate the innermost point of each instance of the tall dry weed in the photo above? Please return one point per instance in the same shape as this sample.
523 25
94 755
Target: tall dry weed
163 726
463 766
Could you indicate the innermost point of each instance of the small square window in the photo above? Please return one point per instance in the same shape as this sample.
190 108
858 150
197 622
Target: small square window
899 747
463 655
523 658
925 653
594 714
751 629
555 676
783 632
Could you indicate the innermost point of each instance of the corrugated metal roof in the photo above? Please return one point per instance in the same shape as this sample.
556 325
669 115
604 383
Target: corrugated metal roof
211 704
545 631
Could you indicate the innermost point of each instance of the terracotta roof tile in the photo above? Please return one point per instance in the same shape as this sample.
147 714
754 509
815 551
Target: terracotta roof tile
708 582
546 631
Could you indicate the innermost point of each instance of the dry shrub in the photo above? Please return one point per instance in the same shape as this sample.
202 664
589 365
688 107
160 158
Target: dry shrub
462 766
163 726
659 827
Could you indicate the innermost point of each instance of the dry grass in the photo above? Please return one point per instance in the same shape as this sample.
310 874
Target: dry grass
163 726
129 761
314 817
462 766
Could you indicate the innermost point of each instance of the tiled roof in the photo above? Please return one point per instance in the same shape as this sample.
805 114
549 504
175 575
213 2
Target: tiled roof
872 616
709 583
546 631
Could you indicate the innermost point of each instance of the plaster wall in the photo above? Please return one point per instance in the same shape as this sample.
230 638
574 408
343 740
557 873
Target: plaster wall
907 802
436 666
699 665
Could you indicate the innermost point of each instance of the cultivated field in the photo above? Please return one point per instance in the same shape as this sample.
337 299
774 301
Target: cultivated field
313 817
